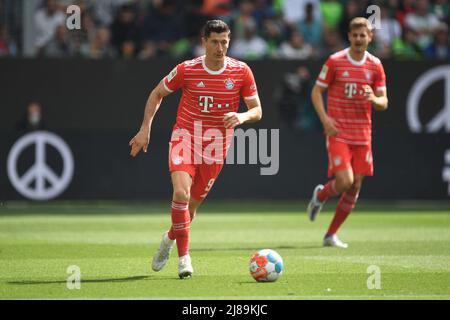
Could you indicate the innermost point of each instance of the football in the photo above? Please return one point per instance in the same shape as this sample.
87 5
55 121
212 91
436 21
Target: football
266 265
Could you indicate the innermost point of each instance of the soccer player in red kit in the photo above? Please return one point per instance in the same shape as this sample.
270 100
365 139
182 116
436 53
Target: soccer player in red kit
207 114
355 82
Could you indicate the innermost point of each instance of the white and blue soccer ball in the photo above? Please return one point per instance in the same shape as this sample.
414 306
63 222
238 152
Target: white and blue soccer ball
266 265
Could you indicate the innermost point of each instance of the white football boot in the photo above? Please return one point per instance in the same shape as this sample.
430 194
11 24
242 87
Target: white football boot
162 255
334 241
315 205
185 269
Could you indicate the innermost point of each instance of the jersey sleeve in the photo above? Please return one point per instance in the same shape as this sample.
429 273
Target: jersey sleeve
249 90
326 75
380 80
174 80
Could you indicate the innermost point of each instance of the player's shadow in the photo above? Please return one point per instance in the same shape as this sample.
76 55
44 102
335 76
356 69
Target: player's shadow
254 249
253 282
238 249
127 279
310 247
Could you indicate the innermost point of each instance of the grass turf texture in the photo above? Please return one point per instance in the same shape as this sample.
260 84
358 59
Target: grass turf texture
113 243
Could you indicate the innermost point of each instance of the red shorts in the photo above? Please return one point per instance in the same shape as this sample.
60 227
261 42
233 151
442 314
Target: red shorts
343 156
203 173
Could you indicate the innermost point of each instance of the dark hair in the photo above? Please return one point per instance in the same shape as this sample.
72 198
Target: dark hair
217 26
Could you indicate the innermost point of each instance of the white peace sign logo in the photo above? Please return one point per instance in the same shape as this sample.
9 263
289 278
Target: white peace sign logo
442 119
39 171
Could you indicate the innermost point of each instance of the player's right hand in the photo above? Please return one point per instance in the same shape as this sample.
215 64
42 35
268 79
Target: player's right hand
329 126
140 141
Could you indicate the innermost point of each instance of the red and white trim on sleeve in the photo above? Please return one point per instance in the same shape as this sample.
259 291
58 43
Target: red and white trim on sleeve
251 97
167 88
319 83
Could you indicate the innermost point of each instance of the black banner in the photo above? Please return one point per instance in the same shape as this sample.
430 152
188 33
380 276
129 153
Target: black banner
96 107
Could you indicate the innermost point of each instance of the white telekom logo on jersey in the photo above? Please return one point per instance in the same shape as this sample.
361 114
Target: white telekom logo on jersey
207 102
350 89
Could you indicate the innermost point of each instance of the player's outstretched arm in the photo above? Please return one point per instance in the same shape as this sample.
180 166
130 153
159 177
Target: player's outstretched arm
378 99
317 100
142 138
254 114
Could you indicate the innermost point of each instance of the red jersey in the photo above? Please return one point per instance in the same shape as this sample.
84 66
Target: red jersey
208 95
346 103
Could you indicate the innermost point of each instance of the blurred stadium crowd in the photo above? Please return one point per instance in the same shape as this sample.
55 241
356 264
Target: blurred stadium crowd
281 29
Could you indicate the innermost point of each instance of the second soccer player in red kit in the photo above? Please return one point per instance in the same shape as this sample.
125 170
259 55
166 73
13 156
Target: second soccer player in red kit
207 114
356 82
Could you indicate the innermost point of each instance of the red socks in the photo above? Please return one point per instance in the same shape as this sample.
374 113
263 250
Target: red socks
328 191
181 221
343 209
171 234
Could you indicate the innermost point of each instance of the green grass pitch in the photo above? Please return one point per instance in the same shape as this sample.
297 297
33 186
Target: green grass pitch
112 244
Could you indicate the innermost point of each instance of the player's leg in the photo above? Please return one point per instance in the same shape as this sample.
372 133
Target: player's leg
185 268
169 236
343 180
362 166
194 204
181 182
344 207
181 219
182 170
339 167
198 190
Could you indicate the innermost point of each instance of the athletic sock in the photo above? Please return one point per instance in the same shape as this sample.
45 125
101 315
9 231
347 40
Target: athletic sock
343 209
170 232
328 191
180 226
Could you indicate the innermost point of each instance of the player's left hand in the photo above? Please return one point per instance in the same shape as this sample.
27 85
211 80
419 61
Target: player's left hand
368 93
233 119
